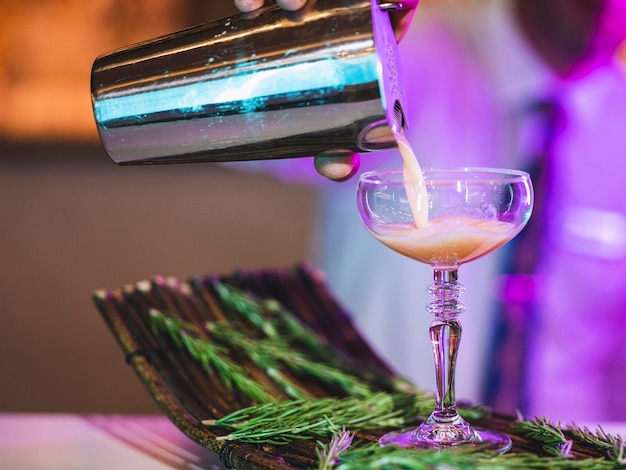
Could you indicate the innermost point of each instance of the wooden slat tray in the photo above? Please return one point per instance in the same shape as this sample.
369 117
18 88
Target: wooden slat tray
187 394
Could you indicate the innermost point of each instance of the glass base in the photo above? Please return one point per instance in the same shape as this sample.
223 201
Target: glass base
427 437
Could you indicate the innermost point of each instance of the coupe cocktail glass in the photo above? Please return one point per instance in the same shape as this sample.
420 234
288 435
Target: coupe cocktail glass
471 212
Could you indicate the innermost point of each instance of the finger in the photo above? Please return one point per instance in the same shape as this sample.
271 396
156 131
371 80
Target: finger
337 165
291 5
248 5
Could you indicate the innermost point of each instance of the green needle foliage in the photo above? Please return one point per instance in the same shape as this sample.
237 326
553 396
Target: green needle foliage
283 422
275 322
213 357
552 438
615 446
373 457
273 353
544 432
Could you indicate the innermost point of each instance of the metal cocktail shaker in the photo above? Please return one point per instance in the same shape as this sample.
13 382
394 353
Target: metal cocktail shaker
263 85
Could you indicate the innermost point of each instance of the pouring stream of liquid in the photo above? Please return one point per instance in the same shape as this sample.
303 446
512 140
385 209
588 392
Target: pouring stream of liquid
414 181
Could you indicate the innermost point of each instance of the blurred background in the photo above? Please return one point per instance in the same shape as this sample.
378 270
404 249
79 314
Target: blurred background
74 222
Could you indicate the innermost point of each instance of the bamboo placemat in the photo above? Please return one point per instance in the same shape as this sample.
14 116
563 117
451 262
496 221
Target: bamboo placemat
187 394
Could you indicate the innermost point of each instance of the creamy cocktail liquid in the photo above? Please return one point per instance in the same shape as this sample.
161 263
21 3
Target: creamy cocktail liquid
447 242
444 241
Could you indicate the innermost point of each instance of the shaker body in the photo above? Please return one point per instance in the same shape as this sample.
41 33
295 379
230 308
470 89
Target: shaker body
263 85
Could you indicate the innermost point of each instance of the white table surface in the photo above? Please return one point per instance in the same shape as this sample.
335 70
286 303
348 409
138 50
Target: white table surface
94 442
80 442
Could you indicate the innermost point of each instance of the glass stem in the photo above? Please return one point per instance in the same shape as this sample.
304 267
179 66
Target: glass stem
445 336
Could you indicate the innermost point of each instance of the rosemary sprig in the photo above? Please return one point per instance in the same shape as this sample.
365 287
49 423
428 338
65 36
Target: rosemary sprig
615 446
599 439
246 306
212 357
371 456
270 317
270 354
280 423
545 432
553 440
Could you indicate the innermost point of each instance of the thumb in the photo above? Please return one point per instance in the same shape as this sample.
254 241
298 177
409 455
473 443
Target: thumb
337 165
291 5
246 6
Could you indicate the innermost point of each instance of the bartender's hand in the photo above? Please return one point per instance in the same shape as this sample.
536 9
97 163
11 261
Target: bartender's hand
400 19
341 165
